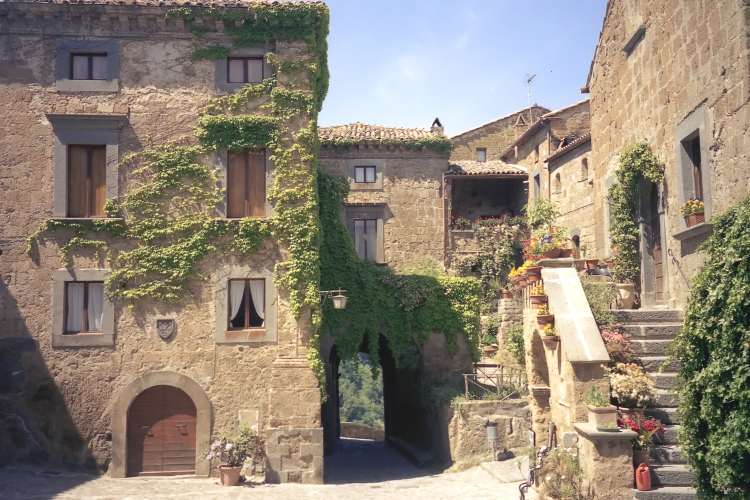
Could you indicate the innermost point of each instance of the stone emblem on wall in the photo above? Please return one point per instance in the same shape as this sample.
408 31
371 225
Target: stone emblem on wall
166 328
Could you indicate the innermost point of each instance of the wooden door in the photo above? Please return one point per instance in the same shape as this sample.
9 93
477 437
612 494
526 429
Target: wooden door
161 433
653 243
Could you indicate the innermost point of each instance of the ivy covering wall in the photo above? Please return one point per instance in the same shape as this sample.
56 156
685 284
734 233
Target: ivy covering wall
637 163
713 348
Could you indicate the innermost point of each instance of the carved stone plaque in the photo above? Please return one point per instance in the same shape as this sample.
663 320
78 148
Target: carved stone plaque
166 328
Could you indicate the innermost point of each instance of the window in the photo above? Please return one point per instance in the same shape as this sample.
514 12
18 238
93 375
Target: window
87 181
244 69
83 307
576 240
365 238
481 154
537 186
536 152
558 183
692 146
364 174
584 169
247 304
88 66
246 184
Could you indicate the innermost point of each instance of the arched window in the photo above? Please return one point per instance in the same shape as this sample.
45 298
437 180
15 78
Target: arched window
584 169
576 246
558 183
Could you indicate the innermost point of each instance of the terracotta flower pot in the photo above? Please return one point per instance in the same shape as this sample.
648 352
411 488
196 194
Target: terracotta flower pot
550 341
545 319
489 350
506 294
534 271
694 219
538 300
566 252
552 253
637 414
592 264
604 418
625 295
230 476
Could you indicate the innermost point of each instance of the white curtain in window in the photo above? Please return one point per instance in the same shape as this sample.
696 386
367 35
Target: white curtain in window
96 299
74 314
258 294
236 290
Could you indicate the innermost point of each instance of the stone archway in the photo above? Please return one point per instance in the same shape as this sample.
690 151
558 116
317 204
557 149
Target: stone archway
136 387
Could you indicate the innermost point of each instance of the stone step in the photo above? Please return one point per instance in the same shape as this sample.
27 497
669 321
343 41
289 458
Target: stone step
669 436
664 380
671 475
658 330
666 493
665 398
650 347
660 364
647 316
666 415
667 454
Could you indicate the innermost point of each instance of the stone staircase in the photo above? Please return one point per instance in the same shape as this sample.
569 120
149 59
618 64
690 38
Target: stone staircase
651 332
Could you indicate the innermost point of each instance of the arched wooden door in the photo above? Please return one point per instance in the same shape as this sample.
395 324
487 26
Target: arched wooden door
161 432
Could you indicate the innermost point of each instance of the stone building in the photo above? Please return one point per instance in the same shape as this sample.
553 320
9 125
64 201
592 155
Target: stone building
675 75
82 85
488 142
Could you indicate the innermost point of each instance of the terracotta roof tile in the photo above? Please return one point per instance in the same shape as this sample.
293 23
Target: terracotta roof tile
362 132
493 167
570 146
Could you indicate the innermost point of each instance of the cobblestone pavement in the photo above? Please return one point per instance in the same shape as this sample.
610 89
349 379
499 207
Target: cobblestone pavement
390 477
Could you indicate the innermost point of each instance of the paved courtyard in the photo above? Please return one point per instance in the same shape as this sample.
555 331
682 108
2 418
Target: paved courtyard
358 471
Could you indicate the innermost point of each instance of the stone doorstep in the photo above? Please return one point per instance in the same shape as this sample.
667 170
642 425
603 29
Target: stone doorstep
666 493
670 434
664 380
671 475
652 330
656 347
648 316
666 415
660 364
668 454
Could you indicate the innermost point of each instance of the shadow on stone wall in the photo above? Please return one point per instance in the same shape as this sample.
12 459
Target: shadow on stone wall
35 426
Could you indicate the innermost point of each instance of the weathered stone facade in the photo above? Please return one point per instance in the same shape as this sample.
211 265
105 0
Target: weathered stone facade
663 71
73 401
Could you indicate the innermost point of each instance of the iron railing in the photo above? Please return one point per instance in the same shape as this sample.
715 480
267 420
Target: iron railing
492 379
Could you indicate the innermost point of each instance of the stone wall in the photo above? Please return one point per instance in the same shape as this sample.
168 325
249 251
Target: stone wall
509 312
69 393
495 136
412 192
691 60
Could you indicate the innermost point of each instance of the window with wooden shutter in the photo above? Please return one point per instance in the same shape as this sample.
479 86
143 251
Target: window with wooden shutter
246 184
244 69
87 181
88 66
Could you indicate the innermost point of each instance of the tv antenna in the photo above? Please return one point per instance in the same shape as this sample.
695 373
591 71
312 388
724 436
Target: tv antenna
529 80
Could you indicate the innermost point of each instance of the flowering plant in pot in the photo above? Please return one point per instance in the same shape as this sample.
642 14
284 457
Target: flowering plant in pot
549 241
232 452
461 224
631 387
537 296
617 344
647 429
543 316
694 212
601 414
549 336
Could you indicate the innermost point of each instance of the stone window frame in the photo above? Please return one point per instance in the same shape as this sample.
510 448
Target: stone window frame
380 169
375 211
220 67
105 338
222 160
66 47
222 334
695 123
476 154
90 130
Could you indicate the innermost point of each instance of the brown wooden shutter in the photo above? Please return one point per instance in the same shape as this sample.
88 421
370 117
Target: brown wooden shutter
98 180
77 200
236 181
257 183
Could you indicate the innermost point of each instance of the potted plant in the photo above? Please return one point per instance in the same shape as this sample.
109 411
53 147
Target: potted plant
592 265
461 224
625 295
506 294
549 337
602 415
537 296
694 212
543 316
647 430
533 272
232 454
632 389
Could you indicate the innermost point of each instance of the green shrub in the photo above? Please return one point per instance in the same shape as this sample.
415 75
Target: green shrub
600 294
514 343
713 348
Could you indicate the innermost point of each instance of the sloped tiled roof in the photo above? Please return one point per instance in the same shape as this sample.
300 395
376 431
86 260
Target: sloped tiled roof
570 146
494 167
166 3
362 132
514 114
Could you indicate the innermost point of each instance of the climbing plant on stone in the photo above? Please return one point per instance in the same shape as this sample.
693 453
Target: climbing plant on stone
636 164
713 349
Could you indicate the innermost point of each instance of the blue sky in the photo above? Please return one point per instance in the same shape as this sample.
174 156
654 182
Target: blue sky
404 62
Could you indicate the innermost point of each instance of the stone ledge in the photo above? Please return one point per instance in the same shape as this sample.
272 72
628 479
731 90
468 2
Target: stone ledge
590 432
697 231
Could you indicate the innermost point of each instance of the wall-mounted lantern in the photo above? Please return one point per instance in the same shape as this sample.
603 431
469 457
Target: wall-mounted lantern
338 297
491 429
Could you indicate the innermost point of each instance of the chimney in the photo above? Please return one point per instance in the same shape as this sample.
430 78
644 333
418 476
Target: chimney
437 127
